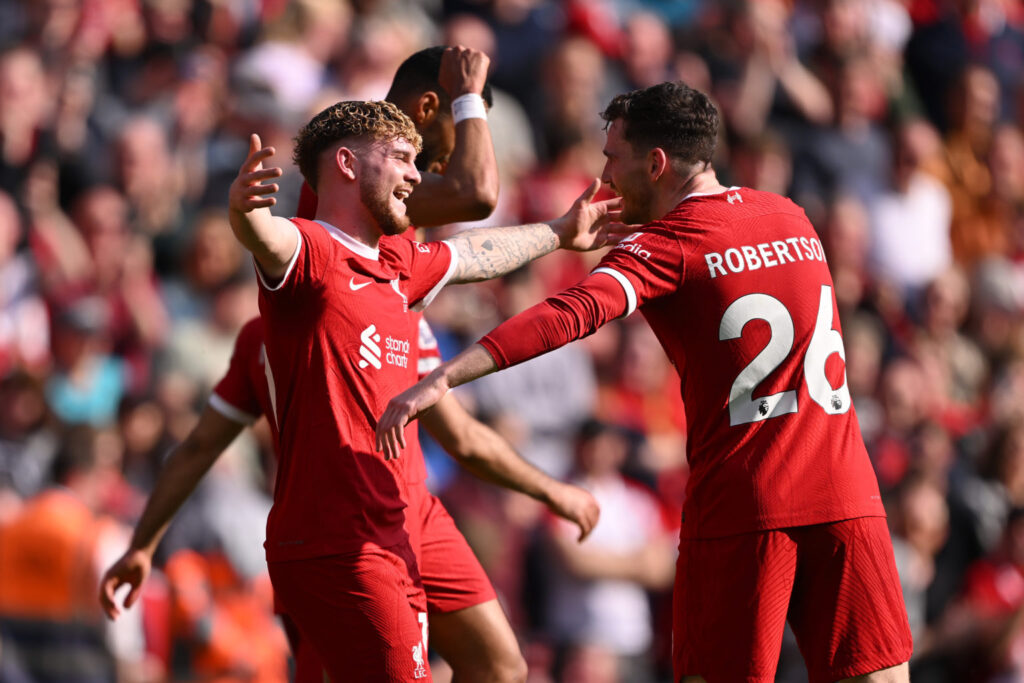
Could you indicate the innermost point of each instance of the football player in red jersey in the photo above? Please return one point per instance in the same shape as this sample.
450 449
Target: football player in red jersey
458 593
782 515
468 626
334 296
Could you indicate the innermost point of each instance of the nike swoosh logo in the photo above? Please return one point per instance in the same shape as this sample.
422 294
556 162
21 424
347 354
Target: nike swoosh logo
356 287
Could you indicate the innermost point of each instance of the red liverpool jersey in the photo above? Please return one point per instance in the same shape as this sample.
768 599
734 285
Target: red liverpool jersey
242 394
736 288
339 343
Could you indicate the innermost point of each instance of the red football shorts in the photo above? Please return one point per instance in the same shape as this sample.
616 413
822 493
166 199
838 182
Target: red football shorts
837 584
364 614
452 576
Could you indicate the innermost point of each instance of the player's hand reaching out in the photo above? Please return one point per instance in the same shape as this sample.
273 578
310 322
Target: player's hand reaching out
248 191
406 407
131 569
463 71
576 505
591 225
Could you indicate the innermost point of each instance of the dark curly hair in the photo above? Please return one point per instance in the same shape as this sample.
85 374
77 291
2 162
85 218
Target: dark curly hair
673 116
369 120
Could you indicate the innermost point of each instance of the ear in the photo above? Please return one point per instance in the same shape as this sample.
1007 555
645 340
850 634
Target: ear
427 107
657 163
346 162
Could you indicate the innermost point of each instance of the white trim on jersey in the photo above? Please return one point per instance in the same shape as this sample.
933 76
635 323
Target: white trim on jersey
287 271
350 242
425 301
708 194
229 411
627 287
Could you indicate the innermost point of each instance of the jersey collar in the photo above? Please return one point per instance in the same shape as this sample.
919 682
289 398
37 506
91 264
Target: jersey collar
708 194
351 243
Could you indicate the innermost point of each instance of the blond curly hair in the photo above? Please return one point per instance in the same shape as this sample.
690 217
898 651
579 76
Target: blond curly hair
372 120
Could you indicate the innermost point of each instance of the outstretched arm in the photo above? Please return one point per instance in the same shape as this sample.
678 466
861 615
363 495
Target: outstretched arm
488 456
467 187
572 314
180 475
272 240
486 253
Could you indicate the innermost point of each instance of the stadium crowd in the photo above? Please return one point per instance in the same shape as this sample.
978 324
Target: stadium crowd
898 125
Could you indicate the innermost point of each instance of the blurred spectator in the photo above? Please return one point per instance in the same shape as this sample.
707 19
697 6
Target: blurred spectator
852 156
989 616
647 51
759 78
24 323
88 381
222 623
25 140
644 396
51 556
920 525
905 406
999 484
974 108
28 437
597 603
122 275
962 365
150 177
910 241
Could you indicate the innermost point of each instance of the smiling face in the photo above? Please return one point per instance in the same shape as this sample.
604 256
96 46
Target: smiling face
387 178
625 172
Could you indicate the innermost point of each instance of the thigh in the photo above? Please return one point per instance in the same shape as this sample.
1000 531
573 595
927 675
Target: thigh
729 604
452 576
847 610
478 643
364 615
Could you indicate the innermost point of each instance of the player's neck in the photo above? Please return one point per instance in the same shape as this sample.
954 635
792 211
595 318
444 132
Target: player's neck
354 222
703 182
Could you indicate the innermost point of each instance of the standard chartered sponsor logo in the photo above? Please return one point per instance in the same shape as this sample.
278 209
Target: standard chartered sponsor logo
394 352
369 349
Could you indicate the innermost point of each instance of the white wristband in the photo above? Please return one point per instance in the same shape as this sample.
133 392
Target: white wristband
468 106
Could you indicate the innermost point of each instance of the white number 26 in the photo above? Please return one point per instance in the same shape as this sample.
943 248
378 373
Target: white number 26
825 341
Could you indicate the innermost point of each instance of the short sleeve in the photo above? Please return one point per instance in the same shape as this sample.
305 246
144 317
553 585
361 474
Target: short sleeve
424 267
234 397
309 262
647 264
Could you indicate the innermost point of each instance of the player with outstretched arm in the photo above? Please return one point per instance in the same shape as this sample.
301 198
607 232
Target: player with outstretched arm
783 514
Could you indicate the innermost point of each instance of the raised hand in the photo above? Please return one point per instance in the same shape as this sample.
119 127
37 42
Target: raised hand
588 224
248 192
133 569
463 71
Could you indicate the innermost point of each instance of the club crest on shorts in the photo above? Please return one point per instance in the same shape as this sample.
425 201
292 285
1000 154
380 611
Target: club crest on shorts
417 657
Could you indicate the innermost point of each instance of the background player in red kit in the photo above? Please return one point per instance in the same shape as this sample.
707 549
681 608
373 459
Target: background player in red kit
468 627
335 308
782 514
242 396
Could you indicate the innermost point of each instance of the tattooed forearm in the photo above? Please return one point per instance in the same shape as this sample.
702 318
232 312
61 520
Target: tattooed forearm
486 253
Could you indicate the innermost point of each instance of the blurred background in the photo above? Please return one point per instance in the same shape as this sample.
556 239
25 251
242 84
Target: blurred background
896 125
